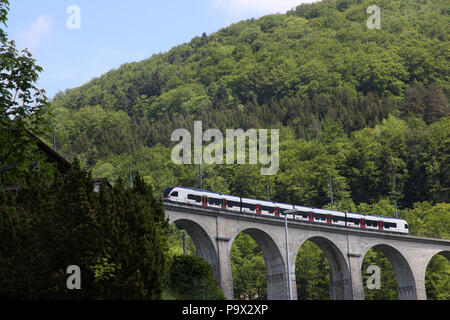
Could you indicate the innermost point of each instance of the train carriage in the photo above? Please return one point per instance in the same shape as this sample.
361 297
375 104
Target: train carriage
320 215
372 222
364 221
204 198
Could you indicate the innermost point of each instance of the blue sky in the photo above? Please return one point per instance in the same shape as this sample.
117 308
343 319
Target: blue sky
115 32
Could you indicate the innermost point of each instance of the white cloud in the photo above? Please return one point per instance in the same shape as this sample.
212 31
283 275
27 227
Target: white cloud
244 9
33 36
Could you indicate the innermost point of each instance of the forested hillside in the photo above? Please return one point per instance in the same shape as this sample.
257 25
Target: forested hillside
316 63
367 107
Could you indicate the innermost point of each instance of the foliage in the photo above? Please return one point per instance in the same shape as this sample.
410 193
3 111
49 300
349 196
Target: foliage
191 279
437 279
176 242
312 273
248 269
22 106
118 238
388 281
314 64
430 221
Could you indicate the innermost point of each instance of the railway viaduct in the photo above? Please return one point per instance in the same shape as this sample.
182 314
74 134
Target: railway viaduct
213 232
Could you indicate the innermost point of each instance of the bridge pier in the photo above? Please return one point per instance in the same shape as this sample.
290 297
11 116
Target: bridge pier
293 280
225 275
356 284
223 252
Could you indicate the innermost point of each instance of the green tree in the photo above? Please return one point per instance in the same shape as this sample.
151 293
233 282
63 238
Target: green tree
22 105
191 279
437 279
248 268
312 273
118 238
388 281
426 220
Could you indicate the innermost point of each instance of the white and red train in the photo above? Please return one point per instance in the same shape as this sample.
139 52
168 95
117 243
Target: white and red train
209 199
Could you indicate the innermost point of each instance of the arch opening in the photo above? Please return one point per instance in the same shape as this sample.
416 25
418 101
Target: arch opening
180 242
378 276
437 277
268 266
204 247
248 268
321 271
397 267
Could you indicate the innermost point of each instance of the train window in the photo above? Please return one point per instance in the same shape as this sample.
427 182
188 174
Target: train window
388 225
406 226
194 197
371 223
214 201
233 204
249 206
174 194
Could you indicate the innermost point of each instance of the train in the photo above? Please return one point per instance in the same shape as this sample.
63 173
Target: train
208 199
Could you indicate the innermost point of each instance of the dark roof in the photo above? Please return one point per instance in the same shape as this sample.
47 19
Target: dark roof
52 155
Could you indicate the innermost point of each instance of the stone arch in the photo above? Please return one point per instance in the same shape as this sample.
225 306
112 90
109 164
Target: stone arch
431 255
202 241
406 284
340 277
445 254
273 257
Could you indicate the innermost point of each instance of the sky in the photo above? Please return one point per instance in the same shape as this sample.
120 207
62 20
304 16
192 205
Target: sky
77 40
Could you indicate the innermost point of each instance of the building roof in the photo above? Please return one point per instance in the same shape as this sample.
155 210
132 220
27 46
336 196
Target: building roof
52 155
